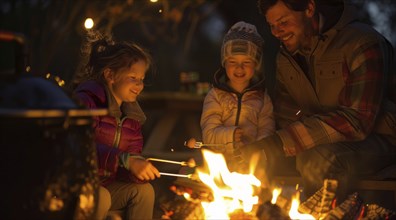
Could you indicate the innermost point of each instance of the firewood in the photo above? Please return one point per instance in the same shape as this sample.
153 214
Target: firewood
351 208
268 211
319 204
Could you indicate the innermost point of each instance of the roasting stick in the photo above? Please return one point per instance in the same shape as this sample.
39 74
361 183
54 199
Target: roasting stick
175 174
182 163
200 144
192 143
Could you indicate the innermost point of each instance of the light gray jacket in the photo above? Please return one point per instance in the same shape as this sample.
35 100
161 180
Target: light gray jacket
224 110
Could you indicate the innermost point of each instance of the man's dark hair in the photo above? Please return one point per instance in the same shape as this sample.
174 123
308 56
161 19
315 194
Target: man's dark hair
295 5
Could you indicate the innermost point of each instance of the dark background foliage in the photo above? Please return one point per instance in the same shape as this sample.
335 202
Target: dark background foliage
182 36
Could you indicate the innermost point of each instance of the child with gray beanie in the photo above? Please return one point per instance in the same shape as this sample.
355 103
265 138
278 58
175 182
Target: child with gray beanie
238 110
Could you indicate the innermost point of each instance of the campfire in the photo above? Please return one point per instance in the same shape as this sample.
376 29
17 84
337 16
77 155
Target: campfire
214 192
232 192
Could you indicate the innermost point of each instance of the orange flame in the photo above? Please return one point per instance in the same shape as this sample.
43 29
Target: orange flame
235 191
293 213
231 190
275 193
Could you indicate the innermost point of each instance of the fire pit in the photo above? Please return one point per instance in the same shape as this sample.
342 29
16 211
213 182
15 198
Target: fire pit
218 193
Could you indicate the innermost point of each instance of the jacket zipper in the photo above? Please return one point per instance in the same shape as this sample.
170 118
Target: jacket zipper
117 135
239 96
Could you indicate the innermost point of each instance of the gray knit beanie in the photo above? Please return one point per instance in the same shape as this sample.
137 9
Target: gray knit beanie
243 38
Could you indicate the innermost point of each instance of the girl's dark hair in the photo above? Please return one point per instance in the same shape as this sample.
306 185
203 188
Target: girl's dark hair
100 52
295 5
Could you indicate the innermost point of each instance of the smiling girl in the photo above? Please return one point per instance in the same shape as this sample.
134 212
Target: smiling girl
112 79
238 109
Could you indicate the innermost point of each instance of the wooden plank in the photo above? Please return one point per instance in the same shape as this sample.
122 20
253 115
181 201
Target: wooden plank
377 185
361 184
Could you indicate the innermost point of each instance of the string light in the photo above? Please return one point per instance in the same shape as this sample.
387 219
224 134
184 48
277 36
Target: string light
56 79
89 23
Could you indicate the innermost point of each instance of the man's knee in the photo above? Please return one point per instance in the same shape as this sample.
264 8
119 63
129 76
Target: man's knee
319 163
320 159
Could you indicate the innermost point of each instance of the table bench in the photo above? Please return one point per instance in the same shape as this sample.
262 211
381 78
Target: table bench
385 180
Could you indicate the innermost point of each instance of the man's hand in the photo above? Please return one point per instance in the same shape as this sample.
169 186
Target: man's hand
267 153
272 146
143 169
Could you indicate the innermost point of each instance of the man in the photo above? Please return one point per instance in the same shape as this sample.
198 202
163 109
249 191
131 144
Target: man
332 100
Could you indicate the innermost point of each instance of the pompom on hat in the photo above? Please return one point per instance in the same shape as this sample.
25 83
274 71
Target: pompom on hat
243 39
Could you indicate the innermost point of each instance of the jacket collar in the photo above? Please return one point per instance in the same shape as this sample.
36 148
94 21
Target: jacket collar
102 94
114 109
130 110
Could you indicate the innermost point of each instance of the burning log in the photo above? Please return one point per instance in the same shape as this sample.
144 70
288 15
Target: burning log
180 208
268 211
321 202
322 206
373 211
187 202
351 208
240 214
217 193
192 195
